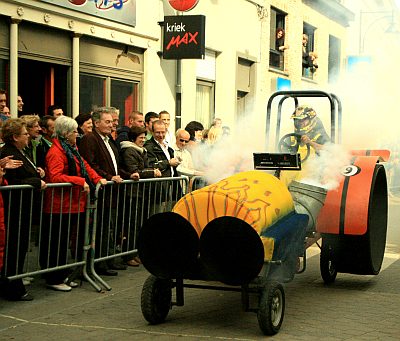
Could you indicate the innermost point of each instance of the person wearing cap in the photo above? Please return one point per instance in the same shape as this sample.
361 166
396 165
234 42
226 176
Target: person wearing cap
310 128
310 131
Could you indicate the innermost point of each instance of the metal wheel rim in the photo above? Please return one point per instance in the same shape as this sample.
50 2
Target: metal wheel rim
331 268
276 308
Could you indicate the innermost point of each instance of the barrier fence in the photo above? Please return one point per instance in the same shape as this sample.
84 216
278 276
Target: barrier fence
63 229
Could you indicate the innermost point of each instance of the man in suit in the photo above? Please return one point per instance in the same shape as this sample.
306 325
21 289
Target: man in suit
98 149
162 157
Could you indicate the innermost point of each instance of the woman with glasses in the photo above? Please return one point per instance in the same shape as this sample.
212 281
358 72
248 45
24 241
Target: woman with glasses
64 209
18 221
134 160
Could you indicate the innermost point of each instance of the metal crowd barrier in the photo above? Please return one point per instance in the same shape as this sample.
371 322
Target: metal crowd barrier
40 240
197 182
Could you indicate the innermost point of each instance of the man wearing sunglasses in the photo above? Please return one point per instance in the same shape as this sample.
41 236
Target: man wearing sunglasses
186 166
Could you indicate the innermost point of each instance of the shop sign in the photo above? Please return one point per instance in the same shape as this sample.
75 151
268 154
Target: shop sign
184 37
183 5
122 11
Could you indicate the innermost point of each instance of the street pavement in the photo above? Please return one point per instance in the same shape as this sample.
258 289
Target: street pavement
353 308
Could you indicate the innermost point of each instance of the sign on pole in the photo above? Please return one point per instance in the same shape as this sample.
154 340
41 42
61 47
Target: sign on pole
184 37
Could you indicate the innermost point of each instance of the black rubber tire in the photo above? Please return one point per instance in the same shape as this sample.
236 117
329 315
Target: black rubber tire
327 263
156 299
271 309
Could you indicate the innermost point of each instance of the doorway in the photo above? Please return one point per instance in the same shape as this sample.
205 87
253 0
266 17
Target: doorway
42 84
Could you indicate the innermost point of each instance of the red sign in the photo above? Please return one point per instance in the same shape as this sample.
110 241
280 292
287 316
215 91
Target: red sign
183 5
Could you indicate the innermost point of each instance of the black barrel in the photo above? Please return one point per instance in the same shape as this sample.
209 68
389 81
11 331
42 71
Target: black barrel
231 251
168 245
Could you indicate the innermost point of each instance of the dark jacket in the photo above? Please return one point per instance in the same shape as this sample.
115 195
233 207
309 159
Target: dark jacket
36 150
24 175
305 60
22 205
134 159
157 158
122 135
93 149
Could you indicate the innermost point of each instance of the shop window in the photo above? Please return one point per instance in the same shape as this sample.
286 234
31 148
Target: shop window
51 84
205 93
277 43
92 92
124 96
309 65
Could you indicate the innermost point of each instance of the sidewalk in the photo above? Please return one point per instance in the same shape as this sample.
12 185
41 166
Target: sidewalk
354 308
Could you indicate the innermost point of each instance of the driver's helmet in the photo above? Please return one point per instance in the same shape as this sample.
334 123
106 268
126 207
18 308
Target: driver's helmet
303 112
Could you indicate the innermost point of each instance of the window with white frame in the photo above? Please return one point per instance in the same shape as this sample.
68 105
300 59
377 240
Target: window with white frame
204 103
205 89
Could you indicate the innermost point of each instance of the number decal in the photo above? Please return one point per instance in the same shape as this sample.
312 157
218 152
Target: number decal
350 170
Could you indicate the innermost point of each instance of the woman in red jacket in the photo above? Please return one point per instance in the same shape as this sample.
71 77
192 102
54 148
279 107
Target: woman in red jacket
64 209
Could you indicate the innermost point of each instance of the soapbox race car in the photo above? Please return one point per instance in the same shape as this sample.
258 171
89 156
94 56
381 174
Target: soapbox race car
250 232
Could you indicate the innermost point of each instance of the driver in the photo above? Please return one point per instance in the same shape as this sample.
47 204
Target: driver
310 132
310 128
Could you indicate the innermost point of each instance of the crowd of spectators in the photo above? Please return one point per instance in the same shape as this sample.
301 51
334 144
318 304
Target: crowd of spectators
92 149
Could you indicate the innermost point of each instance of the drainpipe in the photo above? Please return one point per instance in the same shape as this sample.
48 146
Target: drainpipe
75 75
178 95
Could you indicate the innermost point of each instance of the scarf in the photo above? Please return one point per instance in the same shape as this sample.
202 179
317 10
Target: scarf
70 152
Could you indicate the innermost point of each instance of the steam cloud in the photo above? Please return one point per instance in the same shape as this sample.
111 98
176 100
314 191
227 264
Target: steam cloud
325 170
369 96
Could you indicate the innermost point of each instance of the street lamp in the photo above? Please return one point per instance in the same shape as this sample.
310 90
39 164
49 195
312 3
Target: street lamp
392 28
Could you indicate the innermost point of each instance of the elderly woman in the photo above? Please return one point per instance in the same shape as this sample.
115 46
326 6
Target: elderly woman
16 137
34 150
65 208
134 160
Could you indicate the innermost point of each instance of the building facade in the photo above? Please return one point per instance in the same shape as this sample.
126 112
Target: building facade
81 54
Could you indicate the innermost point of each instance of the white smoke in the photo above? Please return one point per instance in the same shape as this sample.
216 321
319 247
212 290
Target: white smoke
326 169
231 154
369 98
